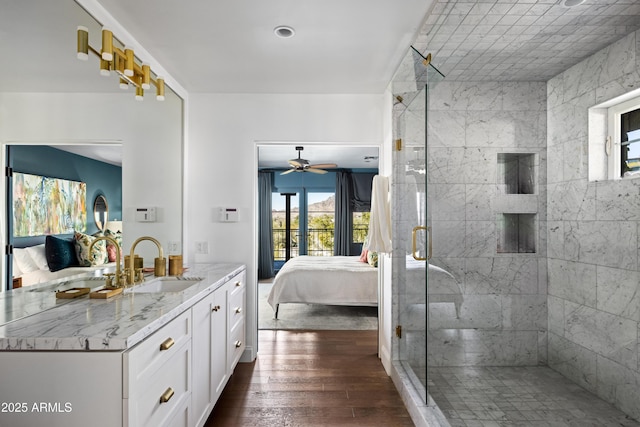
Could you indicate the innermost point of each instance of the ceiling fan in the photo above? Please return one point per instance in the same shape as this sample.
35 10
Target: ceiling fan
302 165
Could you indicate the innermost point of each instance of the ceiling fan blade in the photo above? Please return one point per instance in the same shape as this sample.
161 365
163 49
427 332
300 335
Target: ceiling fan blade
288 171
324 166
296 162
313 170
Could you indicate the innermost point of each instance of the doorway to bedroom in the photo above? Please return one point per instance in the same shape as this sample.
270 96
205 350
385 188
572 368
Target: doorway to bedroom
306 219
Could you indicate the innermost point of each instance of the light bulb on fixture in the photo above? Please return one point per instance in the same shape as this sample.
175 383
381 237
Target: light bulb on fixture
124 84
160 88
146 76
107 44
139 94
83 43
105 68
128 62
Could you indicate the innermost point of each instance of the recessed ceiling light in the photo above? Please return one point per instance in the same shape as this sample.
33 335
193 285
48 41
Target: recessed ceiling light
284 32
572 3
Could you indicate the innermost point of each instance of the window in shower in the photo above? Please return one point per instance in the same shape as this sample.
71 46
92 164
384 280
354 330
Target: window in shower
623 144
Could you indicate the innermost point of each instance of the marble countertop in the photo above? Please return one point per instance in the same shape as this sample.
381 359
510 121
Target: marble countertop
32 318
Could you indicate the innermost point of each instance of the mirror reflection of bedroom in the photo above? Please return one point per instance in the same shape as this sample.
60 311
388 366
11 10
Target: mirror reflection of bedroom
314 269
57 194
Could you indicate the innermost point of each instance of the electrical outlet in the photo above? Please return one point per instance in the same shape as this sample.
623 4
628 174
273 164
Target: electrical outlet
202 248
173 247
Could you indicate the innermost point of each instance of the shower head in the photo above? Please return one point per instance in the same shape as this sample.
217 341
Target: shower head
427 60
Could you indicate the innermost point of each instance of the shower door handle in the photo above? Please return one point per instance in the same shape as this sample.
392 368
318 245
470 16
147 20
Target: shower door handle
414 243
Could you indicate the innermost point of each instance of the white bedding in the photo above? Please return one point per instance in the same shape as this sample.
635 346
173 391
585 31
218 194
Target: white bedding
334 280
41 276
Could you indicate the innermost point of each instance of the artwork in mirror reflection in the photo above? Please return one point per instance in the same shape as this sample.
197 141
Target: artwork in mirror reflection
44 205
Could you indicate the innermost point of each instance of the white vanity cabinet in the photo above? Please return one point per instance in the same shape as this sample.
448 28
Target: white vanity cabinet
147 385
170 378
218 342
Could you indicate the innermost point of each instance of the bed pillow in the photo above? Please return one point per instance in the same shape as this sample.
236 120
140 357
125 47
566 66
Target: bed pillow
97 256
24 260
364 255
16 268
60 253
372 258
111 249
38 256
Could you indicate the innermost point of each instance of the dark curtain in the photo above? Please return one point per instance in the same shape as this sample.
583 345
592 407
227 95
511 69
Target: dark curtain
342 237
361 196
265 233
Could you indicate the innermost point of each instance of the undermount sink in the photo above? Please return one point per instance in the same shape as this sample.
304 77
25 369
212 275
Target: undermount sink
165 284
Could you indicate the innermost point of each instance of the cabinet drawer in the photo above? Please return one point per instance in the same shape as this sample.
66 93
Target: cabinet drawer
236 307
180 417
157 401
141 362
237 282
236 345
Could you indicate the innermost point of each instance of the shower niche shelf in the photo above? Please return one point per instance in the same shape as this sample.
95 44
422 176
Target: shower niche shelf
516 233
516 173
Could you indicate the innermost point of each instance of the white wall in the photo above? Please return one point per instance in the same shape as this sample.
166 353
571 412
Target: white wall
151 134
221 168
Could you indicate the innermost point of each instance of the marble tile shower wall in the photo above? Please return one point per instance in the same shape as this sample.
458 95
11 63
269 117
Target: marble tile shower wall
503 319
593 237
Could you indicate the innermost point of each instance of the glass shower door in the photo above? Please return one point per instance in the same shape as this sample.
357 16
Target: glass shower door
412 253
415 223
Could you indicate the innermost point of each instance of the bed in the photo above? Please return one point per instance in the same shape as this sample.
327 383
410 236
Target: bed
58 257
333 280
346 280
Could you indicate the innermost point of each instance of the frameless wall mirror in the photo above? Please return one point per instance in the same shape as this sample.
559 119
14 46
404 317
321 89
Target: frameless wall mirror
100 212
87 104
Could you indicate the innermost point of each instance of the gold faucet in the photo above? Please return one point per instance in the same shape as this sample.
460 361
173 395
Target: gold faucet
118 275
160 266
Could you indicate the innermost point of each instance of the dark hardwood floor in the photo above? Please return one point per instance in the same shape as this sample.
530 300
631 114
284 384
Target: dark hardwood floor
311 378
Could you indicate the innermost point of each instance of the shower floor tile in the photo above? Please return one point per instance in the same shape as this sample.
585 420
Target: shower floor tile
518 396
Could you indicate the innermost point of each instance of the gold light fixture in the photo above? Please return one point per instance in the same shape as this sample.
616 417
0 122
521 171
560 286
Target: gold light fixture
121 61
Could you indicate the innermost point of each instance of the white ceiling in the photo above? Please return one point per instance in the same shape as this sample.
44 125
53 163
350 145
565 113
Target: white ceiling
229 46
111 154
340 46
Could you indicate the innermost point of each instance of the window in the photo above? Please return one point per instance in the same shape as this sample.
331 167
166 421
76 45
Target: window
360 226
320 223
623 141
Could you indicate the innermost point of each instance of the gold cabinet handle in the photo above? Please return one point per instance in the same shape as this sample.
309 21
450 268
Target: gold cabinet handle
414 243
167 395
167 344
238 344
238 310
216 308
238 284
